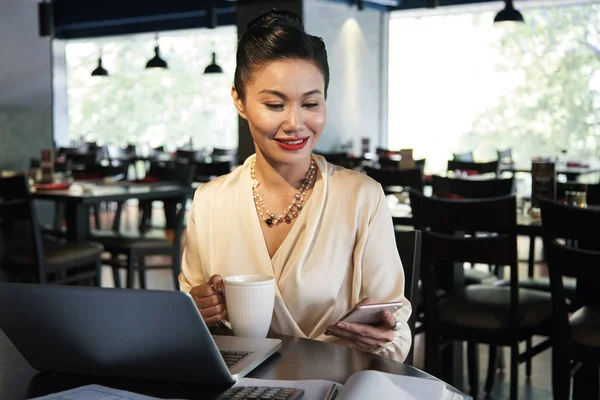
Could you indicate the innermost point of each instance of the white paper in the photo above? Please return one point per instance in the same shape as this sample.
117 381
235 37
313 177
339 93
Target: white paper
383 386
95 392
313 389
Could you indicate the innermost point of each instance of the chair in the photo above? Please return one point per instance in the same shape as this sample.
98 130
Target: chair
392 179
471 188
572 250
167 172
207 171
465 157
497 316
28 256
409 248
189 156
220 155
130 250
473 168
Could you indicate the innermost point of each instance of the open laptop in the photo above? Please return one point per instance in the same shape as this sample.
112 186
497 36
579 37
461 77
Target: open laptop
156 335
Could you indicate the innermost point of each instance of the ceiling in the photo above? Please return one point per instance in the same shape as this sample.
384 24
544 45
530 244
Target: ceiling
92 18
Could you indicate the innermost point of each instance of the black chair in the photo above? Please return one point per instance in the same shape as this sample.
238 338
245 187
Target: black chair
189 156
465 157
409 248
28 256
207 171
224 155
130 250
497 316
391 180
572 250
166 172
473 168
471 188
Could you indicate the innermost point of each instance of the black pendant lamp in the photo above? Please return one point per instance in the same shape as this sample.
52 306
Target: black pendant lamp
213 67
509 13
156 61
100 70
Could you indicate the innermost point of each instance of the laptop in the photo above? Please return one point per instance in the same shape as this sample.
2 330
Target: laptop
125 333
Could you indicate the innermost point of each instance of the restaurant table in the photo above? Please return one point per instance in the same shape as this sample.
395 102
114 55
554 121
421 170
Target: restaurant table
77 202
298 359
571 172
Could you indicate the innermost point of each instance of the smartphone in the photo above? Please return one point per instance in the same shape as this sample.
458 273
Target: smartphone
370 314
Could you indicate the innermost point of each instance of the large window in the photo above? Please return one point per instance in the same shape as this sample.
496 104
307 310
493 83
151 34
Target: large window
155 107
460 83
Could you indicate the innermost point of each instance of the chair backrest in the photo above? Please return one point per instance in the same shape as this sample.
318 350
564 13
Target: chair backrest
182 173
206 171
408 244
444 223
471 188
477 168
221 155
389 178
190 156
572 250
18 220
466 157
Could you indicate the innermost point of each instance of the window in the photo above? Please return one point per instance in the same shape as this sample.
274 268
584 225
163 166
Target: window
460 83
154 107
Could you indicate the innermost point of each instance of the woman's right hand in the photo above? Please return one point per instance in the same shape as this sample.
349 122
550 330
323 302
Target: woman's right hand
210 301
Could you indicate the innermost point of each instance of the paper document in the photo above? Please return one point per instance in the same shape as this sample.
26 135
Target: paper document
95 392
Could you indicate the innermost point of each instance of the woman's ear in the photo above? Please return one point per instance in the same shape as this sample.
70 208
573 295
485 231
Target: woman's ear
239 104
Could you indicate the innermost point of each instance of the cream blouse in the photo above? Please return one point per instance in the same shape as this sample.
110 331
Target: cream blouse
340 250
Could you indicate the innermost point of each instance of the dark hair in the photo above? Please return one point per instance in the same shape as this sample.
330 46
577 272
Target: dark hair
273 36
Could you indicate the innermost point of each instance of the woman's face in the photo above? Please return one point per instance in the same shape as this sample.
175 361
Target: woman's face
285 109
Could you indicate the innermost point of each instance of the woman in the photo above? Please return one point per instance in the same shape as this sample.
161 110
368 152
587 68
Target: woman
324 232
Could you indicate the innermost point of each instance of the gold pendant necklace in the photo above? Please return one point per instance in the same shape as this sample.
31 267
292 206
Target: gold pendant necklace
296 205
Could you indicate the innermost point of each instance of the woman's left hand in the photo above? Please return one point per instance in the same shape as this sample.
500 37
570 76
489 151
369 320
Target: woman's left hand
366 337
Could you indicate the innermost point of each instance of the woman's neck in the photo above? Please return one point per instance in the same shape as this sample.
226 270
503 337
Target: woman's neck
278 176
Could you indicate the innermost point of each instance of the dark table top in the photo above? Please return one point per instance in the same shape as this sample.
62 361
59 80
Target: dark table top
114 192
298 359
587 169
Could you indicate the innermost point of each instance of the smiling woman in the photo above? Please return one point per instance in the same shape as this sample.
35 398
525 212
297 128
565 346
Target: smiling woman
324 232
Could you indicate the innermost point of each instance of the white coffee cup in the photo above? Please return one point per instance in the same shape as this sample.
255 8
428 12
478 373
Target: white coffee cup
250 300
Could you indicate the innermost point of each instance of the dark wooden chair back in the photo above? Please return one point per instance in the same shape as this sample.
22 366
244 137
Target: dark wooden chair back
473 168
471 188
190 156
224 155
390 179
18 220
444 223
206 171
572 250
182 173
409 249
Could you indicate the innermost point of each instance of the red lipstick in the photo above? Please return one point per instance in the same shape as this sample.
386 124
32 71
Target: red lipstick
292 144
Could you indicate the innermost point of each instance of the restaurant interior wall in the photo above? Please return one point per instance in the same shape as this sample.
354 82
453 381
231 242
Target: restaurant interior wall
356 43
25 86
482 87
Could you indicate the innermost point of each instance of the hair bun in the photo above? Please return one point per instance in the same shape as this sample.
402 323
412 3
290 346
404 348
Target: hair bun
276 18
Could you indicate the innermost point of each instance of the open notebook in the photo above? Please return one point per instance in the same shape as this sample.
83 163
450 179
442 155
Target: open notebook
369 385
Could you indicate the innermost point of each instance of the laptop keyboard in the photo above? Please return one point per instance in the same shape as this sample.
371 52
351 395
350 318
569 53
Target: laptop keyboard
233 357
261 393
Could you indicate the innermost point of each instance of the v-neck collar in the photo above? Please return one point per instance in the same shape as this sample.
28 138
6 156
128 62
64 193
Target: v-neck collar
313 205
